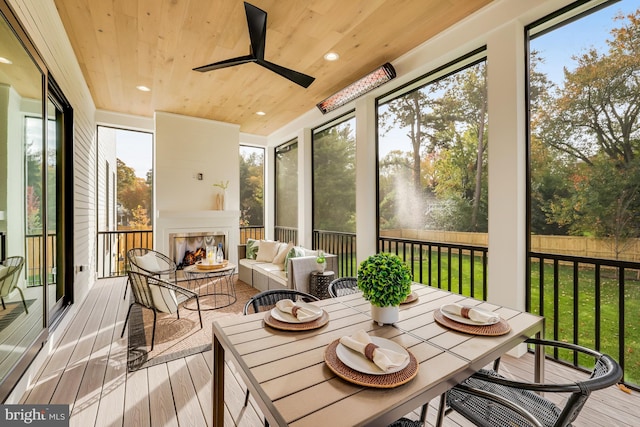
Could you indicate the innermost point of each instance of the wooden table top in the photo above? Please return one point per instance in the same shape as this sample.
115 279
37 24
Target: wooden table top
286 373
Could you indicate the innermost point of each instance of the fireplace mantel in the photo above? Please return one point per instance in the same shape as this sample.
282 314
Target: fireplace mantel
189 221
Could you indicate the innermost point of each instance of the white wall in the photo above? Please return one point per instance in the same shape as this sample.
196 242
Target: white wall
186 146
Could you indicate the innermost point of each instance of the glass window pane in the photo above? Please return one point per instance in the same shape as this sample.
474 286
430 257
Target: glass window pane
251 186
287 185
334 178
432 155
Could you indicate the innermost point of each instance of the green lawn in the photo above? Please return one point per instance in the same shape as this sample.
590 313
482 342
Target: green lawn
586 297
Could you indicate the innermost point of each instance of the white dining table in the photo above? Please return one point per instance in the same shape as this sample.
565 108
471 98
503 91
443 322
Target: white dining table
287 376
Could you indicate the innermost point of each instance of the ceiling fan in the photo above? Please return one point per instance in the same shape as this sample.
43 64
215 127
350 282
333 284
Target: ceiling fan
257 23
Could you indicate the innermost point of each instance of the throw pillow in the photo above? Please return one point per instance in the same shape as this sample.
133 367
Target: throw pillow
294 252
164 299
267 251
282 254
4 270
148 262
252 248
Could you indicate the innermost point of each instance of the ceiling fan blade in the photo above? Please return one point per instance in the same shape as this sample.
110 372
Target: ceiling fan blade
226 63
257 23
296 77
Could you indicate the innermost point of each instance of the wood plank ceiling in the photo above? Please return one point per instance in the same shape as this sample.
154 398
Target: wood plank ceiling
121 44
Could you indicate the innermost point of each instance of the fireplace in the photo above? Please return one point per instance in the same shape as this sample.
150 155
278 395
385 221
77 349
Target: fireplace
223 225
188 248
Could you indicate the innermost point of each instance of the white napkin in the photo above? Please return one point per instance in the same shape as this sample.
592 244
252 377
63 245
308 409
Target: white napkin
384 358
473 313
301 313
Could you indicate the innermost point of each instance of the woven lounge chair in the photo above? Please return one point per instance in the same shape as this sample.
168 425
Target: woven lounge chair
157 295
152 263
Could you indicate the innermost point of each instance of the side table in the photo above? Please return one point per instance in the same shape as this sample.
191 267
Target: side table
319 283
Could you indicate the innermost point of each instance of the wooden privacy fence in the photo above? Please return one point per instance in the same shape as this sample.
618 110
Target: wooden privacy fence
589 247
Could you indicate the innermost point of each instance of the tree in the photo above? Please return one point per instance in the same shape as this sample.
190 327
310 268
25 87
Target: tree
334 192
594 120
252 188
133 194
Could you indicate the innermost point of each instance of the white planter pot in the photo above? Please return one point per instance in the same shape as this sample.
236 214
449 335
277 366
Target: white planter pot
385 315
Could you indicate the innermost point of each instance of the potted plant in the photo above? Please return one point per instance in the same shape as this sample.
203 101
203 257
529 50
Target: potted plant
385 282
322 261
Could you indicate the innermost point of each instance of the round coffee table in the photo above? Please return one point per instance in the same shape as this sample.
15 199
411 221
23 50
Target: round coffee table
215 288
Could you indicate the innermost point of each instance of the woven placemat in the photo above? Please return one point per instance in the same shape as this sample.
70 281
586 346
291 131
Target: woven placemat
412 297
306 326
378 381
500 328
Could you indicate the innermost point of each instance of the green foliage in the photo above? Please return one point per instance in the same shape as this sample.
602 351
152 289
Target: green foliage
287 185
134 196
251 186
444 164
334 178
585 138
384 279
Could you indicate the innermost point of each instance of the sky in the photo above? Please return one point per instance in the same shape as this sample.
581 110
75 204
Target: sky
135 149
557 47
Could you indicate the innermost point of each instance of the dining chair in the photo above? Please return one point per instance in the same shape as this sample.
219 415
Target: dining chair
489 399
150 262
343 286
9 277
157 295
266 300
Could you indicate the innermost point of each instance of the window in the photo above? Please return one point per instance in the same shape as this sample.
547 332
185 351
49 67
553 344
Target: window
251 186
584 129
334 176
432 151
286 169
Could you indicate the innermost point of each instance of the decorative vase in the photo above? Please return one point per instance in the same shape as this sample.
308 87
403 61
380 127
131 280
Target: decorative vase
385 315
321 266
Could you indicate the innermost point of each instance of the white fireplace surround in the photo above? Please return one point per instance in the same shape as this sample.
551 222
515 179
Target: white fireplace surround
216 222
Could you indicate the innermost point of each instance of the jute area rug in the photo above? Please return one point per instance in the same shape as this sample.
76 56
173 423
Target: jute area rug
176 338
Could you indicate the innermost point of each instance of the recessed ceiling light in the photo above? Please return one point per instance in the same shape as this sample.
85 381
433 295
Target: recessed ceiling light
261 113
143 88
5 60
331 56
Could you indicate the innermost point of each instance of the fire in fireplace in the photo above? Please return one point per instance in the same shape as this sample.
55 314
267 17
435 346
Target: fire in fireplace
188 248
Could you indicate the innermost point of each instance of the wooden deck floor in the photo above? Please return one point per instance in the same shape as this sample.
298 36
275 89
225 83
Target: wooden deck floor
88 371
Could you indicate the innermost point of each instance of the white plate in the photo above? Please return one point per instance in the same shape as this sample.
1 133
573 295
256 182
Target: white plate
360 363
466 321
289 318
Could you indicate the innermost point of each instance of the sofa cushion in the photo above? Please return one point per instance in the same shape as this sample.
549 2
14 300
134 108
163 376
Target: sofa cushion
267 251
252 248
283 251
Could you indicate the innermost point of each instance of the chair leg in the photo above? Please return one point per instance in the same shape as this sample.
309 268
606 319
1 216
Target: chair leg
200 316
26 310
153 333
126 287
126 319
4 307
441 410
246 398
